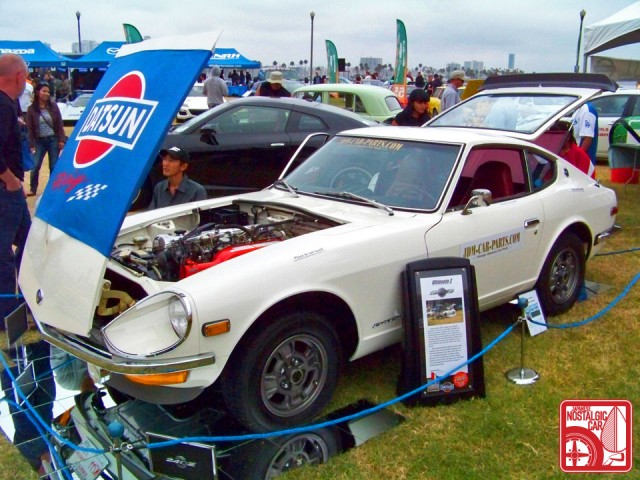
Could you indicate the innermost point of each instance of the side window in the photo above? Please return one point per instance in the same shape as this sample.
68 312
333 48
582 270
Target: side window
359 105
636 106
610 106
542 171
251 120
499 170
309 123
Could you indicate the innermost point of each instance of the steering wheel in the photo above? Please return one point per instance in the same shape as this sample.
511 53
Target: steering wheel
351 179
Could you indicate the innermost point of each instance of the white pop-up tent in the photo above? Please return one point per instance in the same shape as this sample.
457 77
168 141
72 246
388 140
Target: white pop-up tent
621 28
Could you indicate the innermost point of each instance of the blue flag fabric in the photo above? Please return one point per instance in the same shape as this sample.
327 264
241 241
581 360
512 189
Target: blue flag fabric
115 143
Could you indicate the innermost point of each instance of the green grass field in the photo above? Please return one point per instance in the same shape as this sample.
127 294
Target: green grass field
513 432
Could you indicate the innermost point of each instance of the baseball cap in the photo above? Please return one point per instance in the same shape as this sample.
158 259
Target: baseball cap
459 74
175 152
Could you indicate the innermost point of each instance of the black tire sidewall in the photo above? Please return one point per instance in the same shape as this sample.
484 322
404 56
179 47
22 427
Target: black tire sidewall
241 380
549 306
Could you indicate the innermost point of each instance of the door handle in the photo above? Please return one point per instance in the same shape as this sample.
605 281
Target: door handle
533 222
277 144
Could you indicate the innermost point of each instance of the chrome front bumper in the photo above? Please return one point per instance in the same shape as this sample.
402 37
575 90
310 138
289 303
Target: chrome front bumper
106 361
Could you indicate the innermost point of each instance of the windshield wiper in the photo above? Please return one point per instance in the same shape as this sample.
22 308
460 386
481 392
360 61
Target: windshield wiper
353 196
283 182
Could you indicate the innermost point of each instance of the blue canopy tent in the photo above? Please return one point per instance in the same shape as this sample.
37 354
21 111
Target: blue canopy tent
231 58
99 57
35 53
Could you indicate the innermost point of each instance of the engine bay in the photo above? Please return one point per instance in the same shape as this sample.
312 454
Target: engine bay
170 250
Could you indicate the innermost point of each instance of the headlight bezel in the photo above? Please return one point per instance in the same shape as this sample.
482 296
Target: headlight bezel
122 335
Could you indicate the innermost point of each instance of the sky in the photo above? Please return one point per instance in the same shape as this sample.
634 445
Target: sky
543 34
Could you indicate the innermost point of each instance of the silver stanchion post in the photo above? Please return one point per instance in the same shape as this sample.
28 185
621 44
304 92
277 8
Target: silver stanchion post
116 430
522 375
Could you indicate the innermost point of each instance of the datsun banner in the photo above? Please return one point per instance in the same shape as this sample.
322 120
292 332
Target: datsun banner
116 140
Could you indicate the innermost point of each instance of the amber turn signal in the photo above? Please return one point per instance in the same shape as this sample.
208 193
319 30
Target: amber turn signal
216 328
160 378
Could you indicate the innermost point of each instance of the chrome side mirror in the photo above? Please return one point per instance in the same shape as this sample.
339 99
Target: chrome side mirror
479 198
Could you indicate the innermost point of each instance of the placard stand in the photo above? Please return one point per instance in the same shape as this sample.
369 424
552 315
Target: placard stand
441 332
522 375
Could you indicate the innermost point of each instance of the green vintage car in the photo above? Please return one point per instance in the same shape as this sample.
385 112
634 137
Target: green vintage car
374 103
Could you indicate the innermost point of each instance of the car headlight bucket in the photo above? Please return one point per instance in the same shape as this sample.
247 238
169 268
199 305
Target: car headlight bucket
153 326
179 317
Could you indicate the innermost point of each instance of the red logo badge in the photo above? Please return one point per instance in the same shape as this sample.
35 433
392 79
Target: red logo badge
595 435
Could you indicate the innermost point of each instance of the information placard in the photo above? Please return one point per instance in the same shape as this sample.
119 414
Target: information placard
441 331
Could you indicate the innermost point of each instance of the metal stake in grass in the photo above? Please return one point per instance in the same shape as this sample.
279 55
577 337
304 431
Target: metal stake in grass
522 375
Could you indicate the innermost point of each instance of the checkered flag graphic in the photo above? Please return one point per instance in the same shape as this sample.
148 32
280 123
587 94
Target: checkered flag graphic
88 192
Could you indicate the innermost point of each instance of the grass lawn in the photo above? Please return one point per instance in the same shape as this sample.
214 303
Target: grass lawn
513 432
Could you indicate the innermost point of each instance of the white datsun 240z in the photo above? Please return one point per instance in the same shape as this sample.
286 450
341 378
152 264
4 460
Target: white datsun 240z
266 293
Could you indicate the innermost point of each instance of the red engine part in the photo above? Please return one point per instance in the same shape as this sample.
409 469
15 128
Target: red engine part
191 268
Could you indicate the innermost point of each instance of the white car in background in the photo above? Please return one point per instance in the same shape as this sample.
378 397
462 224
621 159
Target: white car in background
610 107
71 111
194 104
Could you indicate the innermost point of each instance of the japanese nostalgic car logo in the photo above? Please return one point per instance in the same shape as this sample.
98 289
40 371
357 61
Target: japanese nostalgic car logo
117 120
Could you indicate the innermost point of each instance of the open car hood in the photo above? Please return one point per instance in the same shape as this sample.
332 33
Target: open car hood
103 165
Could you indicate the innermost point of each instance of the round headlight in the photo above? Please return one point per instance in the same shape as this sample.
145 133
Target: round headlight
179 317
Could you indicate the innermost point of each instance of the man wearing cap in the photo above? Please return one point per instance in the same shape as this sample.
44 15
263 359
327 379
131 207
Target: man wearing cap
215 88
274 87
416 112
177 188
450 96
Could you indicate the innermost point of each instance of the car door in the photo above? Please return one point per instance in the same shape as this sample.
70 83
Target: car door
501 239
610 108
241 149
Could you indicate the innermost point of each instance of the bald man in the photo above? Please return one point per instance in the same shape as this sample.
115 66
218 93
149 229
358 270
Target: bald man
14 213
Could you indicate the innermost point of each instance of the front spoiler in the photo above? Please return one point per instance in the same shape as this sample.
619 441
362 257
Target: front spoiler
106 361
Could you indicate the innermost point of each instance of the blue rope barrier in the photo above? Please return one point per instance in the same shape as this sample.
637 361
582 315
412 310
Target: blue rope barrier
39 419
604 254
54 452
602 312
363 413
11 295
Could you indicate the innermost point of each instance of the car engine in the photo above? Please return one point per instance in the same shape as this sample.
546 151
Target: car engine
174 253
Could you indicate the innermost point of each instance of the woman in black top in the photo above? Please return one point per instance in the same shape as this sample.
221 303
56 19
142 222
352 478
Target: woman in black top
417 111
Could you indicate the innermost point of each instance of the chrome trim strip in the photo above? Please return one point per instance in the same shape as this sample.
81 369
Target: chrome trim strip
104 360
601 237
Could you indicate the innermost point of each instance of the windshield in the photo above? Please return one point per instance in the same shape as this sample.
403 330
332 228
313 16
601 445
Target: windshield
196 91
396 173
524 113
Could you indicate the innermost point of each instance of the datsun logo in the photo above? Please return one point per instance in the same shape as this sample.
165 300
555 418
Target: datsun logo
117 120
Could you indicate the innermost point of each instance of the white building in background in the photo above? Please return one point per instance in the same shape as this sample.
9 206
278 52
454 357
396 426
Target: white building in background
87 46
372 62
512 61
474 65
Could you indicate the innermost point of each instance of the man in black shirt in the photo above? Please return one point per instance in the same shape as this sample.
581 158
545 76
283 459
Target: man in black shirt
14 212
177 188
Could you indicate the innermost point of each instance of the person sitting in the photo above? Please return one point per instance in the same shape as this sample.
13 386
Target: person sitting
416 112
274 87
177 188
576 156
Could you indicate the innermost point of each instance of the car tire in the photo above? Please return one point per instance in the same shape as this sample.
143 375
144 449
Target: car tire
584 445
562 275
266 459
143 197
284 374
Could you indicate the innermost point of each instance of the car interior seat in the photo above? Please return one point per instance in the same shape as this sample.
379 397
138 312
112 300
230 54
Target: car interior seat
409 183
494 176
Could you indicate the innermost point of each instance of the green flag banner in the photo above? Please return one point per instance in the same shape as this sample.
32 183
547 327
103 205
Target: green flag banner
332 62
131 33
401 53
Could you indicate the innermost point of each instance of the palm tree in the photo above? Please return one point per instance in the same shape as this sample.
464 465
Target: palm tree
291 63
275 63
